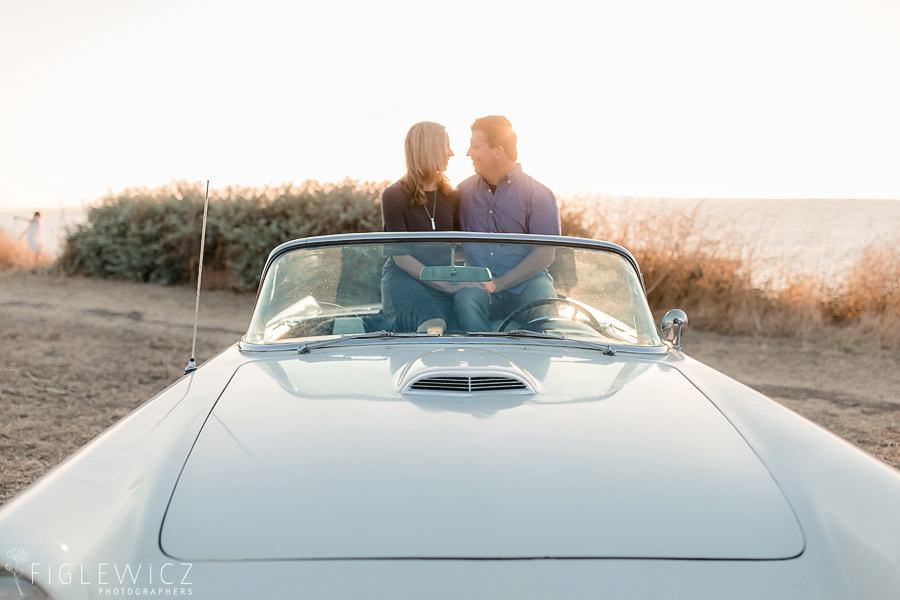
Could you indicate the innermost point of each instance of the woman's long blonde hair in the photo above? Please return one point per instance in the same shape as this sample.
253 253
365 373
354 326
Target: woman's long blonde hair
424 146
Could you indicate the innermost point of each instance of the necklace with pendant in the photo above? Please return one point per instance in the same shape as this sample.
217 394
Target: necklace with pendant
427 212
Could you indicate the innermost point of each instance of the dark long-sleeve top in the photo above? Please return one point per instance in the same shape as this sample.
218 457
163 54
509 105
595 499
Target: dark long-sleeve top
397 214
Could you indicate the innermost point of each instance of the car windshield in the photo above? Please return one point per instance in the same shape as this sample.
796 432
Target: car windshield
451 285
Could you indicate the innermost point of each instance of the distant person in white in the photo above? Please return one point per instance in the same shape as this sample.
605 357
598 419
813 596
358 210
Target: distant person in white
33 240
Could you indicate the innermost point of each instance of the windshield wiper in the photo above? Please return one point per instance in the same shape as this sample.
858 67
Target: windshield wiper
372 335
525 333
514 333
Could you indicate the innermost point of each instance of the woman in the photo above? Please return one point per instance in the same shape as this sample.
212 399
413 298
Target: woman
422 200
33 239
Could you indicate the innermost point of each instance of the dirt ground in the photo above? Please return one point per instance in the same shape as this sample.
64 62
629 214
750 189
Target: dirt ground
77 354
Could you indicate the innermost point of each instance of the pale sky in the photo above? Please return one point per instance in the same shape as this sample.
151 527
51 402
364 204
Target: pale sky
697 98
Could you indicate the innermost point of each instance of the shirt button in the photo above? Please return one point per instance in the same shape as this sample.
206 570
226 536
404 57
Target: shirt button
492 253
490 211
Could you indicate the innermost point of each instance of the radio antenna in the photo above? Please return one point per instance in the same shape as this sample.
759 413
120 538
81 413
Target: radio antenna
192 366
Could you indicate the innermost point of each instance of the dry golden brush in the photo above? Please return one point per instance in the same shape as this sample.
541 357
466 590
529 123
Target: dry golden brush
14 255
709 273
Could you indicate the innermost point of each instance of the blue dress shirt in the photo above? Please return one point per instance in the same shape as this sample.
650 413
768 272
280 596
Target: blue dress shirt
520 204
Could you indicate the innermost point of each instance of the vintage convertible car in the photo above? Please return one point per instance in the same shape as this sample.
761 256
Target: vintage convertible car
572 451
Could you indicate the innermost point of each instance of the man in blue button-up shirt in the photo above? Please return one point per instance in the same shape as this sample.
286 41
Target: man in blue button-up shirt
501 198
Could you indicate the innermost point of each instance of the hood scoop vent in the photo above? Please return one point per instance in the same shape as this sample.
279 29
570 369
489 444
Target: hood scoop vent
468 385
463 372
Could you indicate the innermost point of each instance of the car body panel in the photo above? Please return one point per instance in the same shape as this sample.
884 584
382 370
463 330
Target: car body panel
846 501
344 471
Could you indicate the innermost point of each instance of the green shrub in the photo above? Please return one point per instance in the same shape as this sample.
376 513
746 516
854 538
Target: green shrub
142 235
153 235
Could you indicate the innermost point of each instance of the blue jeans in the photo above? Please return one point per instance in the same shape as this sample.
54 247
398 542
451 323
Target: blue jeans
475 307
407 302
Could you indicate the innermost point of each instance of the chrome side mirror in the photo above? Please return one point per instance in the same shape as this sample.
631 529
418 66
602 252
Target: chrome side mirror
672 325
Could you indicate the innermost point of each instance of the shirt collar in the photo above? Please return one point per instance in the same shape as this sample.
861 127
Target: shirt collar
514 174
509 177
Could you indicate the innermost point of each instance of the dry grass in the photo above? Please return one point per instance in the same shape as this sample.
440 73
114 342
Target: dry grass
864 303
14 255
873 285
712 274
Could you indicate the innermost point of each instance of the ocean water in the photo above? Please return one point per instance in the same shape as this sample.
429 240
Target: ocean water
784 237
781 239
823 237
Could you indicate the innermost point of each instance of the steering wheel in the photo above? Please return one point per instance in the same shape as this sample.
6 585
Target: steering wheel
594 323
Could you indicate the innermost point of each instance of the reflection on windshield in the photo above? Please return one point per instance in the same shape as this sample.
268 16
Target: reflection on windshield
452 288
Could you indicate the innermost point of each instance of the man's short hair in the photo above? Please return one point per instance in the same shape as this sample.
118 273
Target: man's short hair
499 132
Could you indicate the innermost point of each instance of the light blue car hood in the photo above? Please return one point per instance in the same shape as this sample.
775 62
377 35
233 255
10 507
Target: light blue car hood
328 456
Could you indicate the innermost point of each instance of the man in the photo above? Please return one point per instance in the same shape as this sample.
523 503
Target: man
501 198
